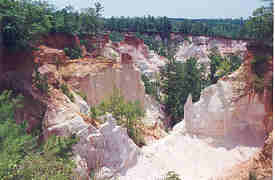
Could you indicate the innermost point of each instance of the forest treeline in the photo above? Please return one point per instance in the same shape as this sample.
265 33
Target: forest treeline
22 21
230 28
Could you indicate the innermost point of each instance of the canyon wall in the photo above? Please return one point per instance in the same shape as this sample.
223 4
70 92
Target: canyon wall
200 47
231 109
147 61
217 116
105 146
99 81
108 145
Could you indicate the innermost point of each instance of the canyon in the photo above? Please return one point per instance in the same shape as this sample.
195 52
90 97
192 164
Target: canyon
217 133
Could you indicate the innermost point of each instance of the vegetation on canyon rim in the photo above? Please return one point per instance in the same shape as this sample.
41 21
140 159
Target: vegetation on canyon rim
23 22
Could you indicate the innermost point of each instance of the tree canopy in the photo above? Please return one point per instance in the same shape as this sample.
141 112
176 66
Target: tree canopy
23 21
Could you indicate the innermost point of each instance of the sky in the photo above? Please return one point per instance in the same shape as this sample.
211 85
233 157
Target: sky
171 8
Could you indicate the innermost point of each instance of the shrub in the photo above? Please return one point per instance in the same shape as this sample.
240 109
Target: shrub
41 82
127 114
67 92
82 94
151 87
73 53
188 40
171 175
52 161
258 84
22 158
257 65
84 42
252 176
116 36
14 142
222 66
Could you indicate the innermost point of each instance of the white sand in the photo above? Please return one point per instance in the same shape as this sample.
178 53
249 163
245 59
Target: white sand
191 158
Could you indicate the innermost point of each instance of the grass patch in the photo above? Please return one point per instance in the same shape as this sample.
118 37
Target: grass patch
67 92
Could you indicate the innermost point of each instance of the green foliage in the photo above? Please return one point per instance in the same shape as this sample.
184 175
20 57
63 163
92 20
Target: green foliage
60 146
138 24
258 84
222 66
151 87
258 64
24 21
188 40
21 157
228 65
41 82
82 94
116 36
252 176
230 28
43 167
178 81
260 25
152 43
14 142
67 92
84 42
73 53
127 114
52 161
171 175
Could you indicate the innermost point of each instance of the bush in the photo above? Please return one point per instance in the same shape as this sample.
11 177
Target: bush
127 114
116 36
67 92
84 42
188 40
82 94
222 66
22 158
41 82
252 176
73 53
151 87
228 65
258 84
257 65
14 142
51 162
171 175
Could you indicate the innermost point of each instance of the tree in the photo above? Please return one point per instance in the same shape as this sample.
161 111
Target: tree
215 61
98 9
260 25
178 81
22 157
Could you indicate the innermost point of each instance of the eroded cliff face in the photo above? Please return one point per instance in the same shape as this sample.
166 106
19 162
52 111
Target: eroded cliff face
260 165
218 116
99 80
108 145
145 60
105 146
200 47
231 109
